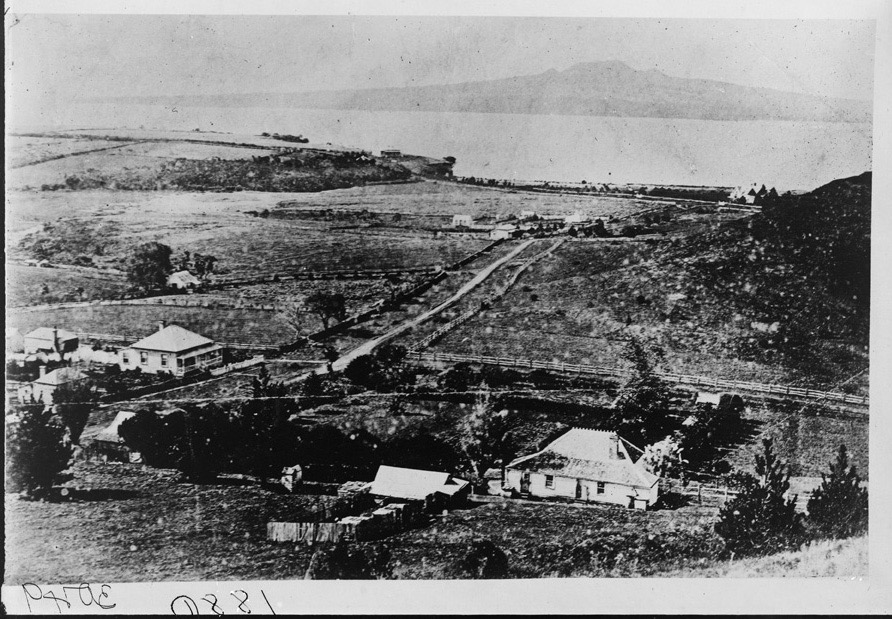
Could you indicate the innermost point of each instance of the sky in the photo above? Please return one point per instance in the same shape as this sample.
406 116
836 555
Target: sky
54 59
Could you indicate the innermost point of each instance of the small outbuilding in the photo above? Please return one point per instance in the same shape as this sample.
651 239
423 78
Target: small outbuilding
46 384
109 443
462 220
435 489
503 231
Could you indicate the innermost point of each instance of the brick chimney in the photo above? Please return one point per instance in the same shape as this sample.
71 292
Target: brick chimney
56 347
162 324
42 371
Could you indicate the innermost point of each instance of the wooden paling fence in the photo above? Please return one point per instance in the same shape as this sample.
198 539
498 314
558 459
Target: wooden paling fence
309 532
686 379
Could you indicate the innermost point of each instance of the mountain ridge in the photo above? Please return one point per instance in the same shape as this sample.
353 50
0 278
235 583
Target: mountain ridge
605 88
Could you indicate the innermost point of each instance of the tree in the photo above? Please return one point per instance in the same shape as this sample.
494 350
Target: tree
838 508
663 458
73 402
38 448
263 387
760 520
327 305
203 265
345 561
483 559
640 412
148 266
483 435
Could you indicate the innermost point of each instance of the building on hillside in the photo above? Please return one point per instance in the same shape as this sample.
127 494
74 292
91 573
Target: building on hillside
749 194
391 152
503 231
46 340
577 217
46 384
436 490
172 349
183 280
585 465
108 441
462 220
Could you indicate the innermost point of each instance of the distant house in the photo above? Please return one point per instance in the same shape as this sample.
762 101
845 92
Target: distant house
435 489
46 340
183 280
527 214
586 465
503 231
172 349
462 220
391 152
749 194
576 218
46 384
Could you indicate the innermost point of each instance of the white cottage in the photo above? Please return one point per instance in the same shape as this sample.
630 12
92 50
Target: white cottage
502 231
462 220
586 465
172 349
183 280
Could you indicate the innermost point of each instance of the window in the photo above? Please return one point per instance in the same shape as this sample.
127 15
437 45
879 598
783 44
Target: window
549 481
164 361
125 359
144 358
600 487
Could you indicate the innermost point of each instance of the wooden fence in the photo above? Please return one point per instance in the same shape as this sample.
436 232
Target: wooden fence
309 532
620 372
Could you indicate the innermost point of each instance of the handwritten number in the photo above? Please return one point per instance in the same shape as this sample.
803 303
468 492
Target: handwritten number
103 593
214 608
263 593
242 602
191 606
29 596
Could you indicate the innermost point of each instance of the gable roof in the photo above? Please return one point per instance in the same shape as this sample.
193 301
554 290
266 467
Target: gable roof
403 483
46 333
60 376
588 454
172 339
183 277
110 433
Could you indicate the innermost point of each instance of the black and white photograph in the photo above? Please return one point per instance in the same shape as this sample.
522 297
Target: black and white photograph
438 296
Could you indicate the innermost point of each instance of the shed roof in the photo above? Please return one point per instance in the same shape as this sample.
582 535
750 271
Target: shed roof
46 333
415 484
60 376
587 454
172 339
183 277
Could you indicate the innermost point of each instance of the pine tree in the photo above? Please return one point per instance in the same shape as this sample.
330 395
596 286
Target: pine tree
759 520
640 414
838 508
483 435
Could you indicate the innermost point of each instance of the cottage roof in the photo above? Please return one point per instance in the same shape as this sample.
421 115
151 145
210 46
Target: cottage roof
416 484
588 454
705 397
60 376
182 277
172 339
46 333
110 433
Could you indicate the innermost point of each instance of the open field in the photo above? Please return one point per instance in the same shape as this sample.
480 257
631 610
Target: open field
27 150
24 285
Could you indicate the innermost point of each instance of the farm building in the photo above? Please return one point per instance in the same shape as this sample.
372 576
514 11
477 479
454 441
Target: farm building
46 340
462 220
528 214
109 443
435 489
503 231
183 280
172 349
586 465
46 384
577 217
391 152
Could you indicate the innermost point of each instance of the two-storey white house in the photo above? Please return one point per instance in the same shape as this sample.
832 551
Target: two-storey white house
172 349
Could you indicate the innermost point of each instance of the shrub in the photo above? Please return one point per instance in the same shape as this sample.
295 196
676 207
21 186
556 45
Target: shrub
73 402
838 508
483 559
37 449
344 561
759 520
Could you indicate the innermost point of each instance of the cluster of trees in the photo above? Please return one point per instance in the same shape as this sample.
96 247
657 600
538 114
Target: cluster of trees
71 242
382 370
762 518
149 264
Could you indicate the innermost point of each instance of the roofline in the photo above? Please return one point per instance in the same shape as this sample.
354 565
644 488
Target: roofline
180 352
